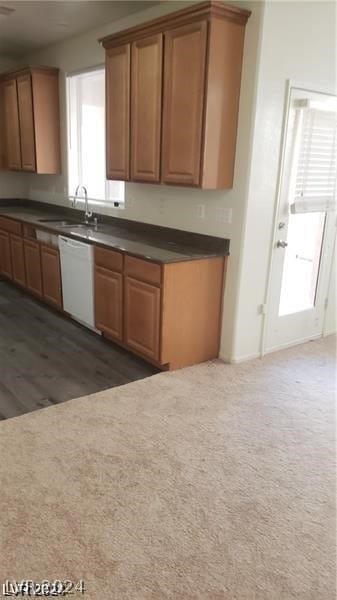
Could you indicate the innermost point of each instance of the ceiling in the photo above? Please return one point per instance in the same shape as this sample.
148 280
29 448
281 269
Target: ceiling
33 25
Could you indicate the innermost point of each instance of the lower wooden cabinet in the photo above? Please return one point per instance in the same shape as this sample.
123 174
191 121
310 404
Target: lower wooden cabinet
142 317
108 302
18 260
30 264
5 255
33 267
51 275
169 313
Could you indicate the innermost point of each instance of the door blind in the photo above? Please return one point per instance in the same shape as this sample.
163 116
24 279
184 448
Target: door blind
315 180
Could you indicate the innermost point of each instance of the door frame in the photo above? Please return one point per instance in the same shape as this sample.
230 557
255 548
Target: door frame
290 84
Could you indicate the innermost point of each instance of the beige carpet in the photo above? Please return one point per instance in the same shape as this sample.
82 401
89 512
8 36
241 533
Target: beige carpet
213 483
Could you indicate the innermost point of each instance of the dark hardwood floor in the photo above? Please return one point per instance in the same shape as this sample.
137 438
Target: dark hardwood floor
46 358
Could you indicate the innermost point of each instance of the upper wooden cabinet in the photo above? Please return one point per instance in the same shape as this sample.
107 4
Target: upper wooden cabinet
146 95
185 57
30 112
183 87
118 113
26 118
12 150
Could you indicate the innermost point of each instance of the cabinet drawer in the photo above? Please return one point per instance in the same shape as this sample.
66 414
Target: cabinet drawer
143 270
10 225
108 259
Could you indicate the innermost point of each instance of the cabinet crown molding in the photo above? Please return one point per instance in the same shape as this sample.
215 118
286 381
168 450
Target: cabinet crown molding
24 69
202 11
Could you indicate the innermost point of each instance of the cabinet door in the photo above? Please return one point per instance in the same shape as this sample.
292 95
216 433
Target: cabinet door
146 94
33 267
18 260
108 302
26 118
118 112
51 275
5 255
142 317
184 83
12 127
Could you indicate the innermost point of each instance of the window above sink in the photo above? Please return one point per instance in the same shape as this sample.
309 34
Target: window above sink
86 140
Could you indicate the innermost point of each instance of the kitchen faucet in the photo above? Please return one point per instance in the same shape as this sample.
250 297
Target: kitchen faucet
87 213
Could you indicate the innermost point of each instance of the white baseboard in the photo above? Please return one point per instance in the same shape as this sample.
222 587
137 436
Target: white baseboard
239 359
293 343
329 332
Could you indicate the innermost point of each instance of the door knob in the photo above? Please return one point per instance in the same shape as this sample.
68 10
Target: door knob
281 244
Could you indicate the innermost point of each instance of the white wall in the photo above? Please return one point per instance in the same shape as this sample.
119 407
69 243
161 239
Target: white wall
161 205
12 185
298 42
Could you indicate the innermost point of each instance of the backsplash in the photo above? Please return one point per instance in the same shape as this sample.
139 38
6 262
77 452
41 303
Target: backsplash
190 209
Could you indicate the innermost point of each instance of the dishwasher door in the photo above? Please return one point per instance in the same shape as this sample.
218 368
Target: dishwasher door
77 270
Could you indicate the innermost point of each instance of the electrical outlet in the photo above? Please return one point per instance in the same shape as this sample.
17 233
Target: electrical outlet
224 215
200 211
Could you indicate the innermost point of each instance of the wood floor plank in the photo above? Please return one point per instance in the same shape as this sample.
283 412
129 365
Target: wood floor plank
46 358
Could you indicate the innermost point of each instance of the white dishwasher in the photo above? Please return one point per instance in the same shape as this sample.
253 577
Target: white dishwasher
77 269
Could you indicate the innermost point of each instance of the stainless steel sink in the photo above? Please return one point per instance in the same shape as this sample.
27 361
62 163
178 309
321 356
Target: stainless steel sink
59 223
85 225
69 224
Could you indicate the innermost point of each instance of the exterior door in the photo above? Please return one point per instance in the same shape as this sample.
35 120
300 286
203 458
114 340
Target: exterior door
12 126
108 302
142 317
118 112
18 260
26 117
146 95
305 224
184 83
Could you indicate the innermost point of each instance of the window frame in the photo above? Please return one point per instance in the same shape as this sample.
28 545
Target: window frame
110 200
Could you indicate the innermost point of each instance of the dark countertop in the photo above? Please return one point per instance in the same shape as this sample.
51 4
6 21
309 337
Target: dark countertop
160 244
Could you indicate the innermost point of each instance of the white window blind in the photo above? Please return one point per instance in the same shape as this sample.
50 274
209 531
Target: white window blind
315 178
